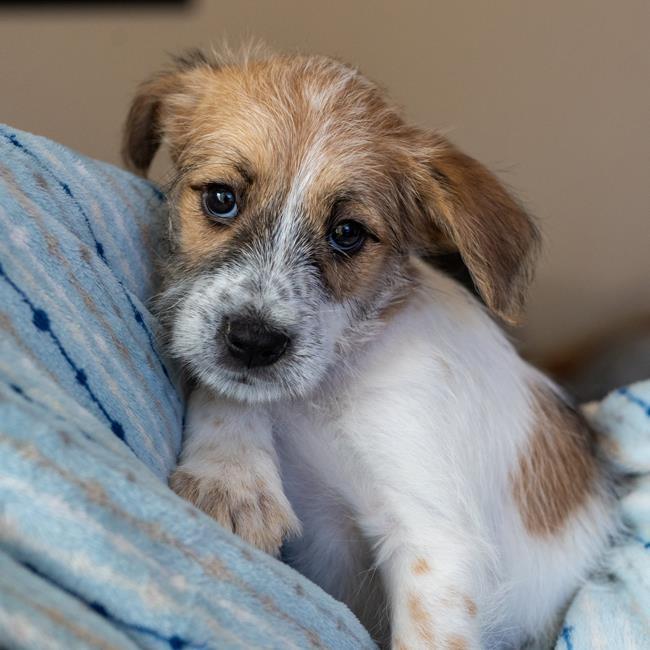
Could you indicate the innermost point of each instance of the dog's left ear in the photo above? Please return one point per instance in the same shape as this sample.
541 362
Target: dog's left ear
460 202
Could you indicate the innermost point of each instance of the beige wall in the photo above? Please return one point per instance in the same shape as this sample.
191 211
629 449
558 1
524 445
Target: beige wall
553 95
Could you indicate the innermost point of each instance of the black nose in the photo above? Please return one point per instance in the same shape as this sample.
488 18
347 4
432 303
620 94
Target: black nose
253 341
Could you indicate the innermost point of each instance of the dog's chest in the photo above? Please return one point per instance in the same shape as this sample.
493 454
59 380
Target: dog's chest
315 443
337 448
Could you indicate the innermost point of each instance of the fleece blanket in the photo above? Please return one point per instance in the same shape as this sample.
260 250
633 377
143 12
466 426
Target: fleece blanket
95 550
612 610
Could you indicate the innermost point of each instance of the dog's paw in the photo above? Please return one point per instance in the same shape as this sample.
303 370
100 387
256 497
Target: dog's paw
244 502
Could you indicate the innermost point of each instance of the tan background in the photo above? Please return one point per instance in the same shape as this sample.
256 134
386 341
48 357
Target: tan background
553 95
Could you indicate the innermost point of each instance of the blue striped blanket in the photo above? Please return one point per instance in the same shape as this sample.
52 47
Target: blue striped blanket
95 550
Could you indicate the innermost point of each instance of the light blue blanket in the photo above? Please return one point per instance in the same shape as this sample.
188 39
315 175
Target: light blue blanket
612 611
95 550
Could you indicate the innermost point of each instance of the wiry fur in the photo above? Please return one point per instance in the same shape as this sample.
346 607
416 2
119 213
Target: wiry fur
415 466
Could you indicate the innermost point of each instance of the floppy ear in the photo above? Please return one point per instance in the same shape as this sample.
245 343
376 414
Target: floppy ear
157 101
142 130
461 200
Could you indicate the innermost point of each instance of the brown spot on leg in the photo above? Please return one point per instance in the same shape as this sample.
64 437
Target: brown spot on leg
420 566
457 643
470 606
557 470
421 619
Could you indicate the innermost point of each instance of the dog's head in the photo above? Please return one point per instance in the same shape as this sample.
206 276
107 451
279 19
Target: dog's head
299 195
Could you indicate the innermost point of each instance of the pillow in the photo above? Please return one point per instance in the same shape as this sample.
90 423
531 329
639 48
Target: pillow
95 548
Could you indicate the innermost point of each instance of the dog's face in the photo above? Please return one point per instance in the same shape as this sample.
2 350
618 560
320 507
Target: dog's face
299 195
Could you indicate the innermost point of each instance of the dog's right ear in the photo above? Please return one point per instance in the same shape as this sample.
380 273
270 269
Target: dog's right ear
148 121
143 132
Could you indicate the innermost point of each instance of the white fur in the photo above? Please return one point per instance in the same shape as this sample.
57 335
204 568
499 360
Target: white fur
404 453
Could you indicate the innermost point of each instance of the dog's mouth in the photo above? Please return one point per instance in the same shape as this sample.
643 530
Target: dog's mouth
252 387
253 378
242 379
236 379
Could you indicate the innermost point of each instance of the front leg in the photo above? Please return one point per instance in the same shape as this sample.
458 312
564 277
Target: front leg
228 468
432 576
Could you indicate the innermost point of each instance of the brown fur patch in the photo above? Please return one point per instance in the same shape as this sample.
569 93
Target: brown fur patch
456 643
421 619
420 566
470 606
455 600
557 471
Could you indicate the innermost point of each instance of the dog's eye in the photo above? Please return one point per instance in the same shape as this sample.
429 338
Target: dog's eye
347 236
219 201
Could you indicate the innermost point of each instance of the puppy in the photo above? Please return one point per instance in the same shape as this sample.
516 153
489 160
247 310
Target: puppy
350 399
